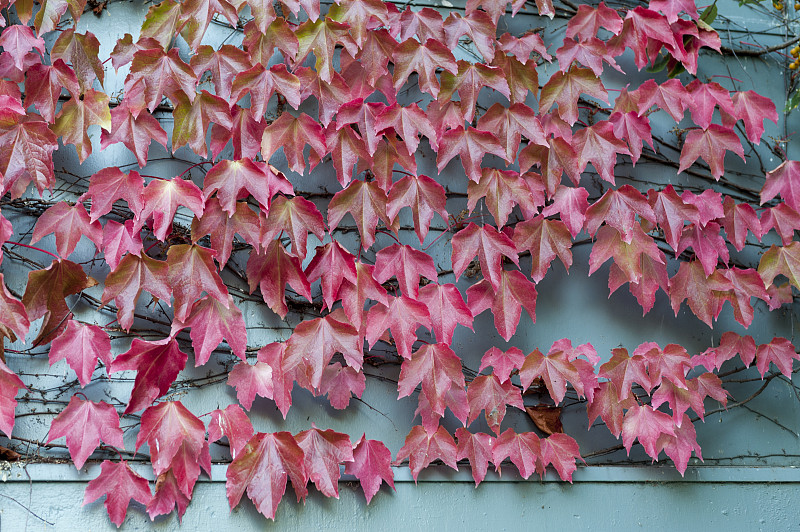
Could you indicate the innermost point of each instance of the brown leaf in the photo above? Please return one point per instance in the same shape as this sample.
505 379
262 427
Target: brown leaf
546 418
7 455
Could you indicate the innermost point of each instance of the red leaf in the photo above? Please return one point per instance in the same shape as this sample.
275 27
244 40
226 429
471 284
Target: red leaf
293 133
210 322
598 144
177 441
670 96
263 467
503 190
730 345
321 37
366 203
27 155
111 184
261 83
68 223
644 423
422 447
560 451
314 342
282 382
161 74
13 316
161 200
125 284
85 423
341 383
229 178
671 212
470 145
355 295
297 216
783 180
271 270
333 264
490 246
222 228
438 369
423 196
157 365
705 293
564 89
168 496
488 393
323 451
506 300
512 123
680 446
545 240
77 115
408 122
609 406
503 362
192 272
447 309
477 447
523 449
753 109
10 384
469 81
710 144
624 370
232 423
634 129
619 208
403 316
407 265
223 63
371 465
589 19
44 83
192 118
423 58
251 380
780 352
120 484
81 345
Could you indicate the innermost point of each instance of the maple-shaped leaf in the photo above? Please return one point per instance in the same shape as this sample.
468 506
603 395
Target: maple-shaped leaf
14 320
157 365
470 145
331 95
521 77
407 265
314 342
502 190
730 345
177 440
68 223
133 274
321 36
744 284
251 380
346 149
111 184
244 134
162 74
81 50
292 134
477 448
366 202
570 203
85 423
510 124
196 15
627 256
168 496
271 270
489 244
135 132
423 195
261 43
119 483
670 96
671 212
753 109
77 114
783 219
623 370
523 46
232 423
705 293
81 345
646 424
524 450
297 217
364 115
468 82
27 155
125 48
477 26
371 465
162 22
705 97
427 23
488 393
403 316
783 180
589 19
618 208
781 260
161 200
221 227
556 369
564 88
45 293
634 129
598 144
560 451
211 321
438 369
323 451
513 292
340 383
680 446
262 469
17 41
408 121
447 309
10 385
710 144
778 351
192 119
261 83
355 295
423 447
333 264
360 15
192 272
44 84
229 178
609 406
376 53
545 240
282 381
388 154
423 58
642 27
591 52
503 362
